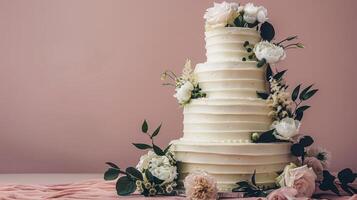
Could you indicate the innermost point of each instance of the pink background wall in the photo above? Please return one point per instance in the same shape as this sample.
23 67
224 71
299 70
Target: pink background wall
78 77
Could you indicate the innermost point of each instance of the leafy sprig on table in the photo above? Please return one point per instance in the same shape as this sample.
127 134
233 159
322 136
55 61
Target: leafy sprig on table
250 188
344 178
158 151
126 184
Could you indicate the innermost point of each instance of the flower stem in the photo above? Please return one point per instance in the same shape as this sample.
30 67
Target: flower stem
297 105
290 45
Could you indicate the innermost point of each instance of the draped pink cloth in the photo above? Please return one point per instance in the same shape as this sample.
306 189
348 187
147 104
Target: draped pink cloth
90 189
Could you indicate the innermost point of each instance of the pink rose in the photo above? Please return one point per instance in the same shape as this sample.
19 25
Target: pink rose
283 193
302 179
316 165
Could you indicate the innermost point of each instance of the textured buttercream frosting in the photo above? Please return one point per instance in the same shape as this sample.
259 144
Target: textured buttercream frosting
217 128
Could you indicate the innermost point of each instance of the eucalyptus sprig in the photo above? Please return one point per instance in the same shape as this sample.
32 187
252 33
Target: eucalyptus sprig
125 185
299 149
299 97
249 48
345 178
265 137
131 177
158 151
291 45
250 188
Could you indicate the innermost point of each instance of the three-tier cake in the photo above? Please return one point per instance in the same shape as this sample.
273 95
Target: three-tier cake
218 128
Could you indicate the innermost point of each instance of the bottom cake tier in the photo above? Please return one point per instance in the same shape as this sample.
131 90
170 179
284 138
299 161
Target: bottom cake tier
229 163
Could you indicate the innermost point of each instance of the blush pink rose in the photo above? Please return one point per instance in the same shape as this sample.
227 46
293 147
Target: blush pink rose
302 179
284 193
316 165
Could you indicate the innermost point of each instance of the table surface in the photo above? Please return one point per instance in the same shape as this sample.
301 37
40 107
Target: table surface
57 178
72 186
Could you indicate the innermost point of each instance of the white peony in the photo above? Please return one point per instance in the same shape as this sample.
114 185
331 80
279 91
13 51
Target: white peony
145 160
269 51
255 13
221 14
250 13
286 128
262 14
161 168
183 93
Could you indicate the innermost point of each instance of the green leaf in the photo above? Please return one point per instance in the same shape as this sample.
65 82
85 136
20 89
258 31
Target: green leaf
261 62
269 72
297 149
279 75
295 93
292 38
134 172
267 137
299 115
156 131
263 95
346 176
239 21
112 165
302 109
253 25
243 184
306 141
144 127
167 148
125 186
152 178
246 43
142 146
309 94
267 31
304 91
111 174
158 151
253 178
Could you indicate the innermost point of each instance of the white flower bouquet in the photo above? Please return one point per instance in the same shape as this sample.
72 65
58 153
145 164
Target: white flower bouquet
186 85
156 172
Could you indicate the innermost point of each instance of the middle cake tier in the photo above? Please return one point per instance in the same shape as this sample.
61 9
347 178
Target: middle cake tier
225 120
231 79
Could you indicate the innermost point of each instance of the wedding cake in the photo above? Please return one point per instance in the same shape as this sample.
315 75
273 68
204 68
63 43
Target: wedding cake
218 128
241 124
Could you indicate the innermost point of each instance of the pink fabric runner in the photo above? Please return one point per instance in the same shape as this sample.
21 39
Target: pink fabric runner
91 189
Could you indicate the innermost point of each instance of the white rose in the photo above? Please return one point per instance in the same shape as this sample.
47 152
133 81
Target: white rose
280 180
250 13
161 168
145 160
262 14
221 14
183 93
269 51
286 128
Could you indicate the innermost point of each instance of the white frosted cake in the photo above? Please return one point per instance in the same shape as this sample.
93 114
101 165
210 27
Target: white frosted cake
218 128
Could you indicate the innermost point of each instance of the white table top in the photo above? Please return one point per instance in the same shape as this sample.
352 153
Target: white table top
46 178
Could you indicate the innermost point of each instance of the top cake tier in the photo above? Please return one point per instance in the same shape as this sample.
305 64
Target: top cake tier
225 44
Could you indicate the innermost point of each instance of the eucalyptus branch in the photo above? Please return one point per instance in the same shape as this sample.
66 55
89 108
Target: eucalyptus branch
171 75
299 45
292 47
169 84
297 105
287 39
